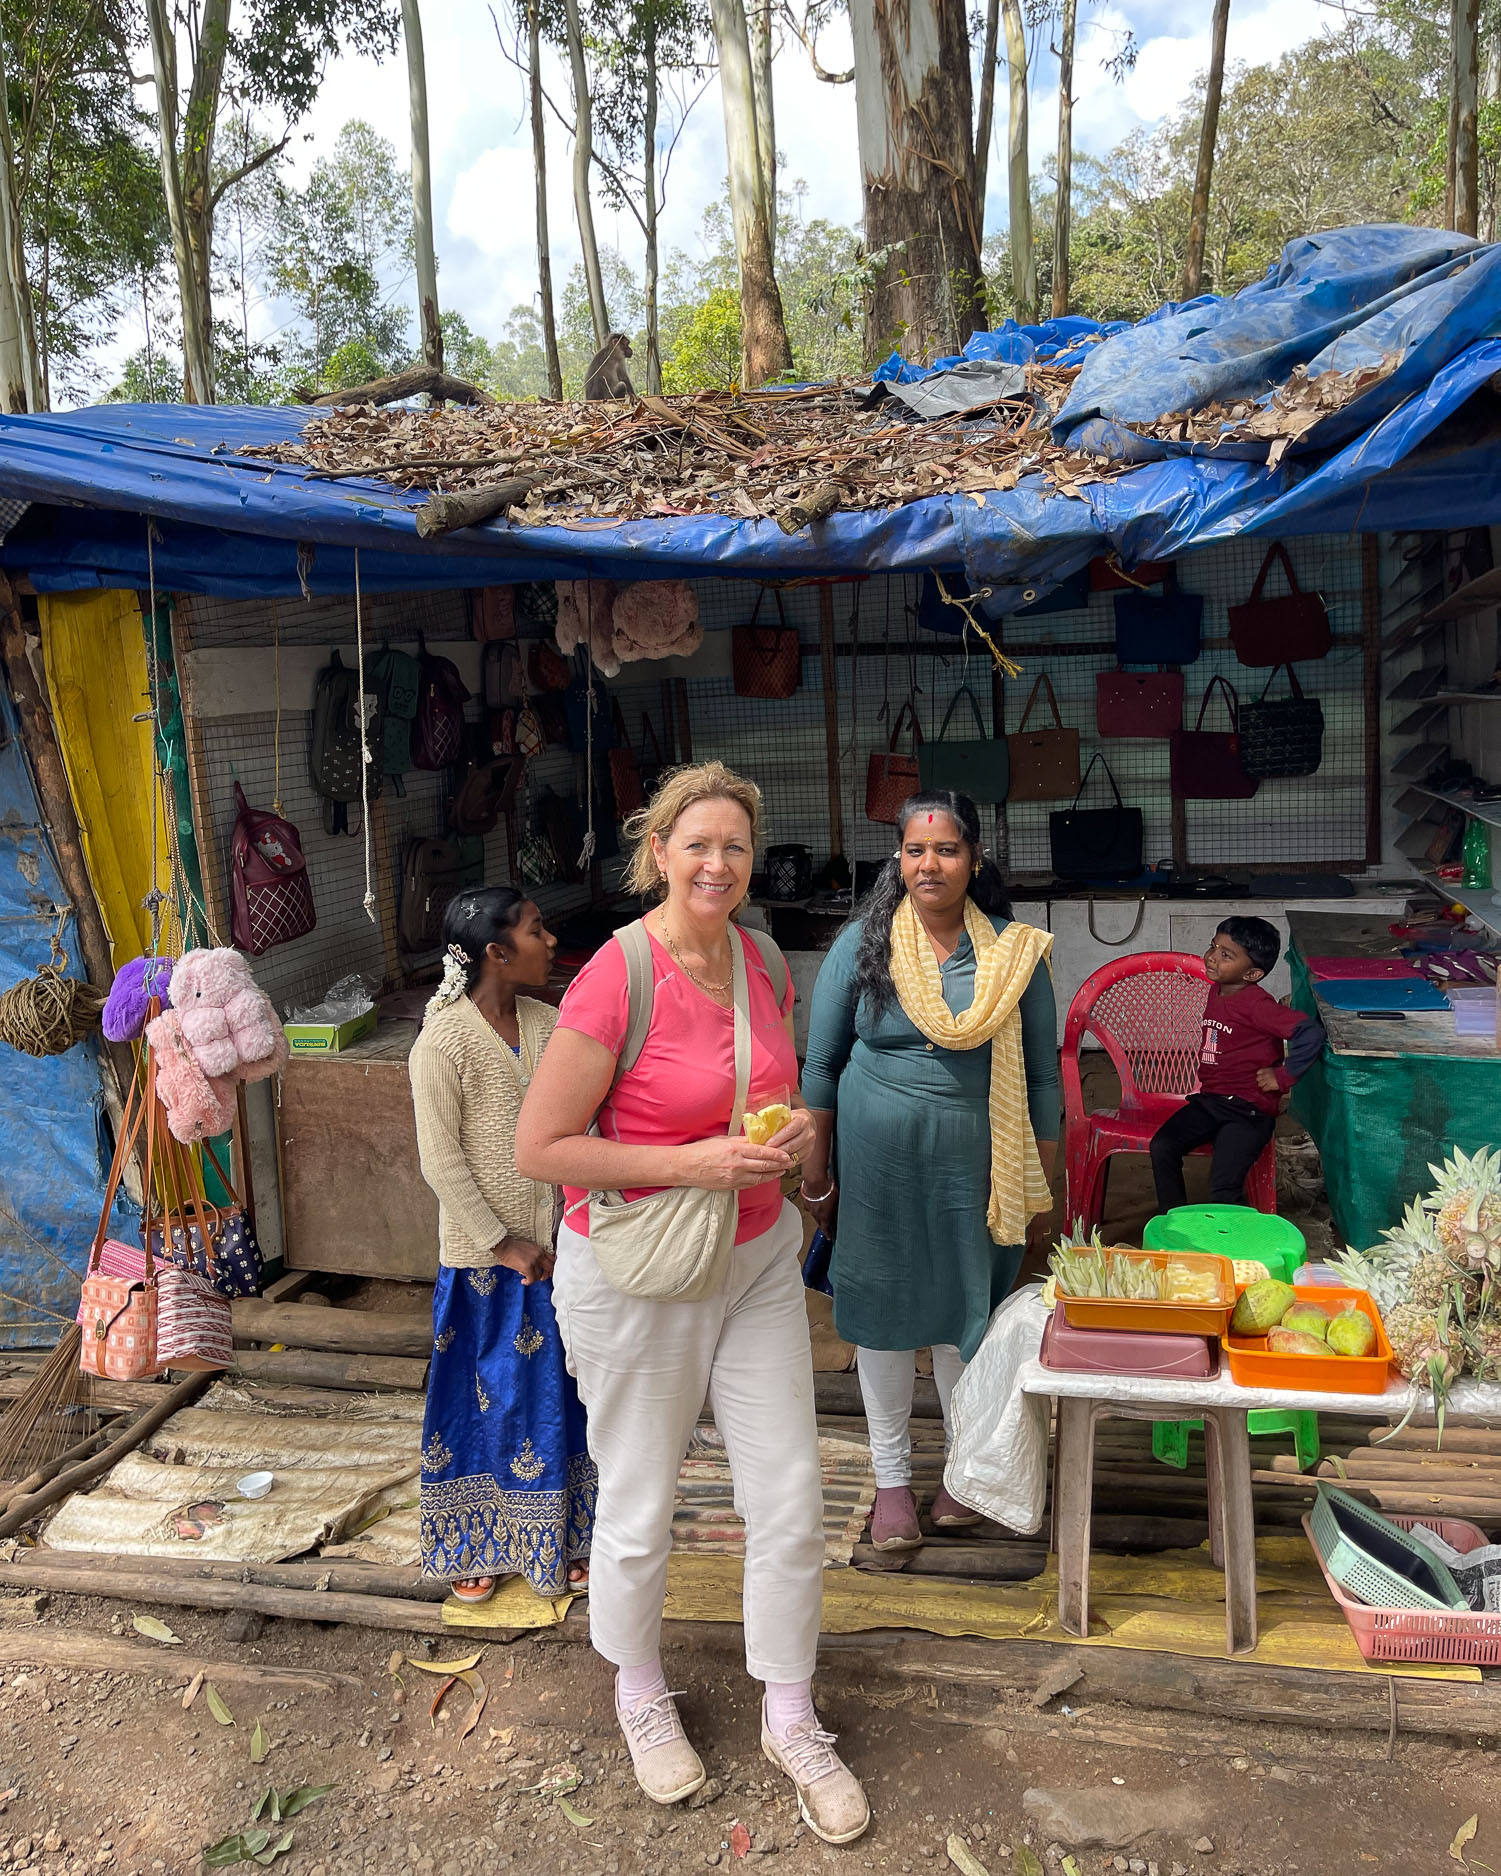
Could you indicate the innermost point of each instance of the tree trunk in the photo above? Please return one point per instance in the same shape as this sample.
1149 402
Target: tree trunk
758 25
1198 221
1063 200
186 178
422 190
914 116
985 122
20 389
583 151
539 163
1019 170
764 349
649 192
1464 90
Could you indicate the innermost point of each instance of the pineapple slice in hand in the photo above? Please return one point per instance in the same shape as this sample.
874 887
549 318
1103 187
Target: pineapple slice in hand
766 1122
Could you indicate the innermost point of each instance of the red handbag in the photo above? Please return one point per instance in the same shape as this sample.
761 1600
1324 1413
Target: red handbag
1288 626
492 612
890 778
1138 703
271 899
1206 764
767 659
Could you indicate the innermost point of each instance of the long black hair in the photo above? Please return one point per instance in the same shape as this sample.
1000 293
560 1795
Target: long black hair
877 909
472 920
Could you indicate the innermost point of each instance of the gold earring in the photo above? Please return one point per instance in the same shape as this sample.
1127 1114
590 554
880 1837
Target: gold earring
975 870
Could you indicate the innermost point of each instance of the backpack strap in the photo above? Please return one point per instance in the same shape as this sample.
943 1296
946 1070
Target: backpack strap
773 957
641 991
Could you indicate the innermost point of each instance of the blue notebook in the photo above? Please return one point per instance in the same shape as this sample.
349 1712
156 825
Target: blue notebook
1377 993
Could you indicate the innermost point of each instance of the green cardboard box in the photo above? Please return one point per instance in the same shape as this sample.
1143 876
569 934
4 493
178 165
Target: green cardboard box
328 1038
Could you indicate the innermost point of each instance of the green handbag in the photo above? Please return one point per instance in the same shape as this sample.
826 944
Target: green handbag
979 767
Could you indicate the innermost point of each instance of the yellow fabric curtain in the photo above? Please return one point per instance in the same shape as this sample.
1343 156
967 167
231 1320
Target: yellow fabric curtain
94 651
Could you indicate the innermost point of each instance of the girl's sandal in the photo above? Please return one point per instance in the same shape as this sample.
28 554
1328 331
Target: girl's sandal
578 1579
475 1588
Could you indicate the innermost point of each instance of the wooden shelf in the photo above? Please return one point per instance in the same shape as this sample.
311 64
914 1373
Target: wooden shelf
1473 596
1484 905
1487 811
1465 696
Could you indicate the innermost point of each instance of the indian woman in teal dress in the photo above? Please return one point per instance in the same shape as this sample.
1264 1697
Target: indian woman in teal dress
903 1173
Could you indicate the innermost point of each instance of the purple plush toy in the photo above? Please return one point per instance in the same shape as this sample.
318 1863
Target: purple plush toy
135 984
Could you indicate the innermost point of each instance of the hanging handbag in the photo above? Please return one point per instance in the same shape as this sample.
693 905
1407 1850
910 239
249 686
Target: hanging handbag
547 668
1095 843
1206 764
767 660
673 1245
1138 703
979 767
1282 735
651 762
432 871
492 613
271 899
117 1314
438 729
625 770
216 1242
1290 625
1044 763
1158 628
890 778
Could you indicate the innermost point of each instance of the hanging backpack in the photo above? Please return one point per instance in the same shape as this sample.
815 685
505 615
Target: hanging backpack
394 676
438 732
334 758
484 793
432 871
271 900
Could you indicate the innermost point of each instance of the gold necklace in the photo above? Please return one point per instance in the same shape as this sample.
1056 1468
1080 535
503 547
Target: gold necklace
707 985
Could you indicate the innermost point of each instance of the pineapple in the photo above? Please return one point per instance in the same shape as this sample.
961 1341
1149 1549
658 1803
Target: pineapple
1388 1269
1434 1277
1418 1343
1483 1349
1466 1201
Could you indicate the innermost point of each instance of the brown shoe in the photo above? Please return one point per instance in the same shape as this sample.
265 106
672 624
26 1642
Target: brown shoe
893 1519
949 1515
829 1796
666 1766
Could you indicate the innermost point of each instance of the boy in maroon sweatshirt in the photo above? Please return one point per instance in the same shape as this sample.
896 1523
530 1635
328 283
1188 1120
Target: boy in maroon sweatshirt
1243 1072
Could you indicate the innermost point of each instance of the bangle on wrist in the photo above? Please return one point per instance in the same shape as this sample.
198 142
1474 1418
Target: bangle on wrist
810 1199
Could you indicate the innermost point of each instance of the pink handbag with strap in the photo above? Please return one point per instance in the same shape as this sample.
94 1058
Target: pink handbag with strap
271 898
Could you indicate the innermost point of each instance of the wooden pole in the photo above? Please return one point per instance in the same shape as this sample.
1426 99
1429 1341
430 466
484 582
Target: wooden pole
1198 223
430 332
831 715
362 1374
469 508
52 1645
348 1331
349 1577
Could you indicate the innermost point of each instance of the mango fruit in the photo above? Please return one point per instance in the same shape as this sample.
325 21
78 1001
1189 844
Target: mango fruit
1310 1318
760 1126
1258 1308
1295 1342
1352 1333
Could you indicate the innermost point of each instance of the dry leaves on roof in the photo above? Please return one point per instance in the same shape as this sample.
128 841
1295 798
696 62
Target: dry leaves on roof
1280 420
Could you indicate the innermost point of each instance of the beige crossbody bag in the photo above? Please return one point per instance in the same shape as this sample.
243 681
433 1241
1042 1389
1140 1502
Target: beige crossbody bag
673 1245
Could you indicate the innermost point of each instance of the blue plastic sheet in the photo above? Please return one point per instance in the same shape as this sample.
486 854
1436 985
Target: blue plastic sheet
1424 307
51 1163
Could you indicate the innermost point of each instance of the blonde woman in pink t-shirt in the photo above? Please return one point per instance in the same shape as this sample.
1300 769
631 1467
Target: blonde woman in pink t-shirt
645 1367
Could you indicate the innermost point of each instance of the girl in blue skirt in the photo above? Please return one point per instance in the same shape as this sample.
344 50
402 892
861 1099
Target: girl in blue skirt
507 1483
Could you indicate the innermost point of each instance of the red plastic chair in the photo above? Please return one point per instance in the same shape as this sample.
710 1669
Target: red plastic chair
1147 1011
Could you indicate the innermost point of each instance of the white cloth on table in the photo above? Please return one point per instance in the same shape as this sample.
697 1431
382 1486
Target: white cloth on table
998 1445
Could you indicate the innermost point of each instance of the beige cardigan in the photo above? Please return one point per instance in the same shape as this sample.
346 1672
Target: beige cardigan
466 1090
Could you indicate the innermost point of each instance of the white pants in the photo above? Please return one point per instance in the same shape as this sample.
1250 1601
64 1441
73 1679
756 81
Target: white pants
644 1369
886 1379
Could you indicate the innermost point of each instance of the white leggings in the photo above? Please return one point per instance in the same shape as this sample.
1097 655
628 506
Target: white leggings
886 1379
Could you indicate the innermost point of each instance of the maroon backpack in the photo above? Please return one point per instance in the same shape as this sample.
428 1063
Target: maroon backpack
271 900
438 731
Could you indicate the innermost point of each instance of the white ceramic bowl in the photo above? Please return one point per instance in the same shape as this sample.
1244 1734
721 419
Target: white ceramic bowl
255 1484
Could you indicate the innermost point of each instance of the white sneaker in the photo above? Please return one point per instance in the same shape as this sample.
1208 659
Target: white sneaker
667 1768
829 1796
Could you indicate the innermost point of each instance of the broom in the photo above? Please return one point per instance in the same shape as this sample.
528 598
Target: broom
54 1413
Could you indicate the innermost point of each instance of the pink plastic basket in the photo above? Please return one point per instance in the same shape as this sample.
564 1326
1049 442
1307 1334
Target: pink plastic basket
1419 1634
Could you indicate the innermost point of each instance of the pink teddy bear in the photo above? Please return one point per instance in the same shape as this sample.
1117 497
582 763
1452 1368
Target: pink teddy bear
198 1106
226 1019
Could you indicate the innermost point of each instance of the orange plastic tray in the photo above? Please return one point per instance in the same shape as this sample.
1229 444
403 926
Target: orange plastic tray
1253 1364
1109 1312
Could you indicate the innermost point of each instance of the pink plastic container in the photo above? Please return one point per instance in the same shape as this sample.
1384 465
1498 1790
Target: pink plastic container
1125 1351
1464 1636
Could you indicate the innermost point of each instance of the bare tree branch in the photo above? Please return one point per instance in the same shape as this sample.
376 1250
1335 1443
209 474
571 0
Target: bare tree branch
248 169
807 37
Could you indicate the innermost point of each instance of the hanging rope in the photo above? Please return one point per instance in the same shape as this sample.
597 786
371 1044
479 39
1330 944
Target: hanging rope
365 756
968 608
276 669
49 1013
155 899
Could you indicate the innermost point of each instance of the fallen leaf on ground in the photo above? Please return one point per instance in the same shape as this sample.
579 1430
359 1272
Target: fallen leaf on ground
216 1704
1465 1834
432 1712
964 1859
505 1734
558 1780
740 1841
574 1818
158 1631
190 1692
481 1694
1024 1863
1071 1867
446 1667
259 1745
301 1797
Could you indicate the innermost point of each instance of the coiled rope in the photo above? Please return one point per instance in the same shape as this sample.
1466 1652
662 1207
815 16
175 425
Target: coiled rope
49 1013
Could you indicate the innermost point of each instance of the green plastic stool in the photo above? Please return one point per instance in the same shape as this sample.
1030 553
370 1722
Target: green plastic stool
1170 1437
1234 1231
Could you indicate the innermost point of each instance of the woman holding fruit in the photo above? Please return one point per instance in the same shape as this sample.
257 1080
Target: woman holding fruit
595 1123
932 1072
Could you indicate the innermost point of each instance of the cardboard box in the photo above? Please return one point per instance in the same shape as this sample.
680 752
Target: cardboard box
328 1038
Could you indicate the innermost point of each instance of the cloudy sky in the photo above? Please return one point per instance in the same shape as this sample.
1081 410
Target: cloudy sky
481 147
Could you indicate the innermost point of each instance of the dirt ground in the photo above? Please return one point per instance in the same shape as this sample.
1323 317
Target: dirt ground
107 1772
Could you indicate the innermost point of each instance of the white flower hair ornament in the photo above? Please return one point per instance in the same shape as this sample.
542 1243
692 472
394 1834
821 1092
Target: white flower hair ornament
455 980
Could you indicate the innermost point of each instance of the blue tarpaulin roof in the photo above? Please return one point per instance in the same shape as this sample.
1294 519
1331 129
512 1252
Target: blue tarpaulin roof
1423 306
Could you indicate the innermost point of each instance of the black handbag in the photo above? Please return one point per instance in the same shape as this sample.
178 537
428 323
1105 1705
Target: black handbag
1282 735
1096 843
1153 628
979 767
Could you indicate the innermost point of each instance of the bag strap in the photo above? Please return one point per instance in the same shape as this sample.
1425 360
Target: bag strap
131 1120
242 806
1292 678
1043 684
907 711
741 985
1116 943
773 957
1109 777
965 692
1275 552
640 990
648 728
1232 703
762 589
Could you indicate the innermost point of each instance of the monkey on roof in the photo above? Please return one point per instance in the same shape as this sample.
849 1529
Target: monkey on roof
607 375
